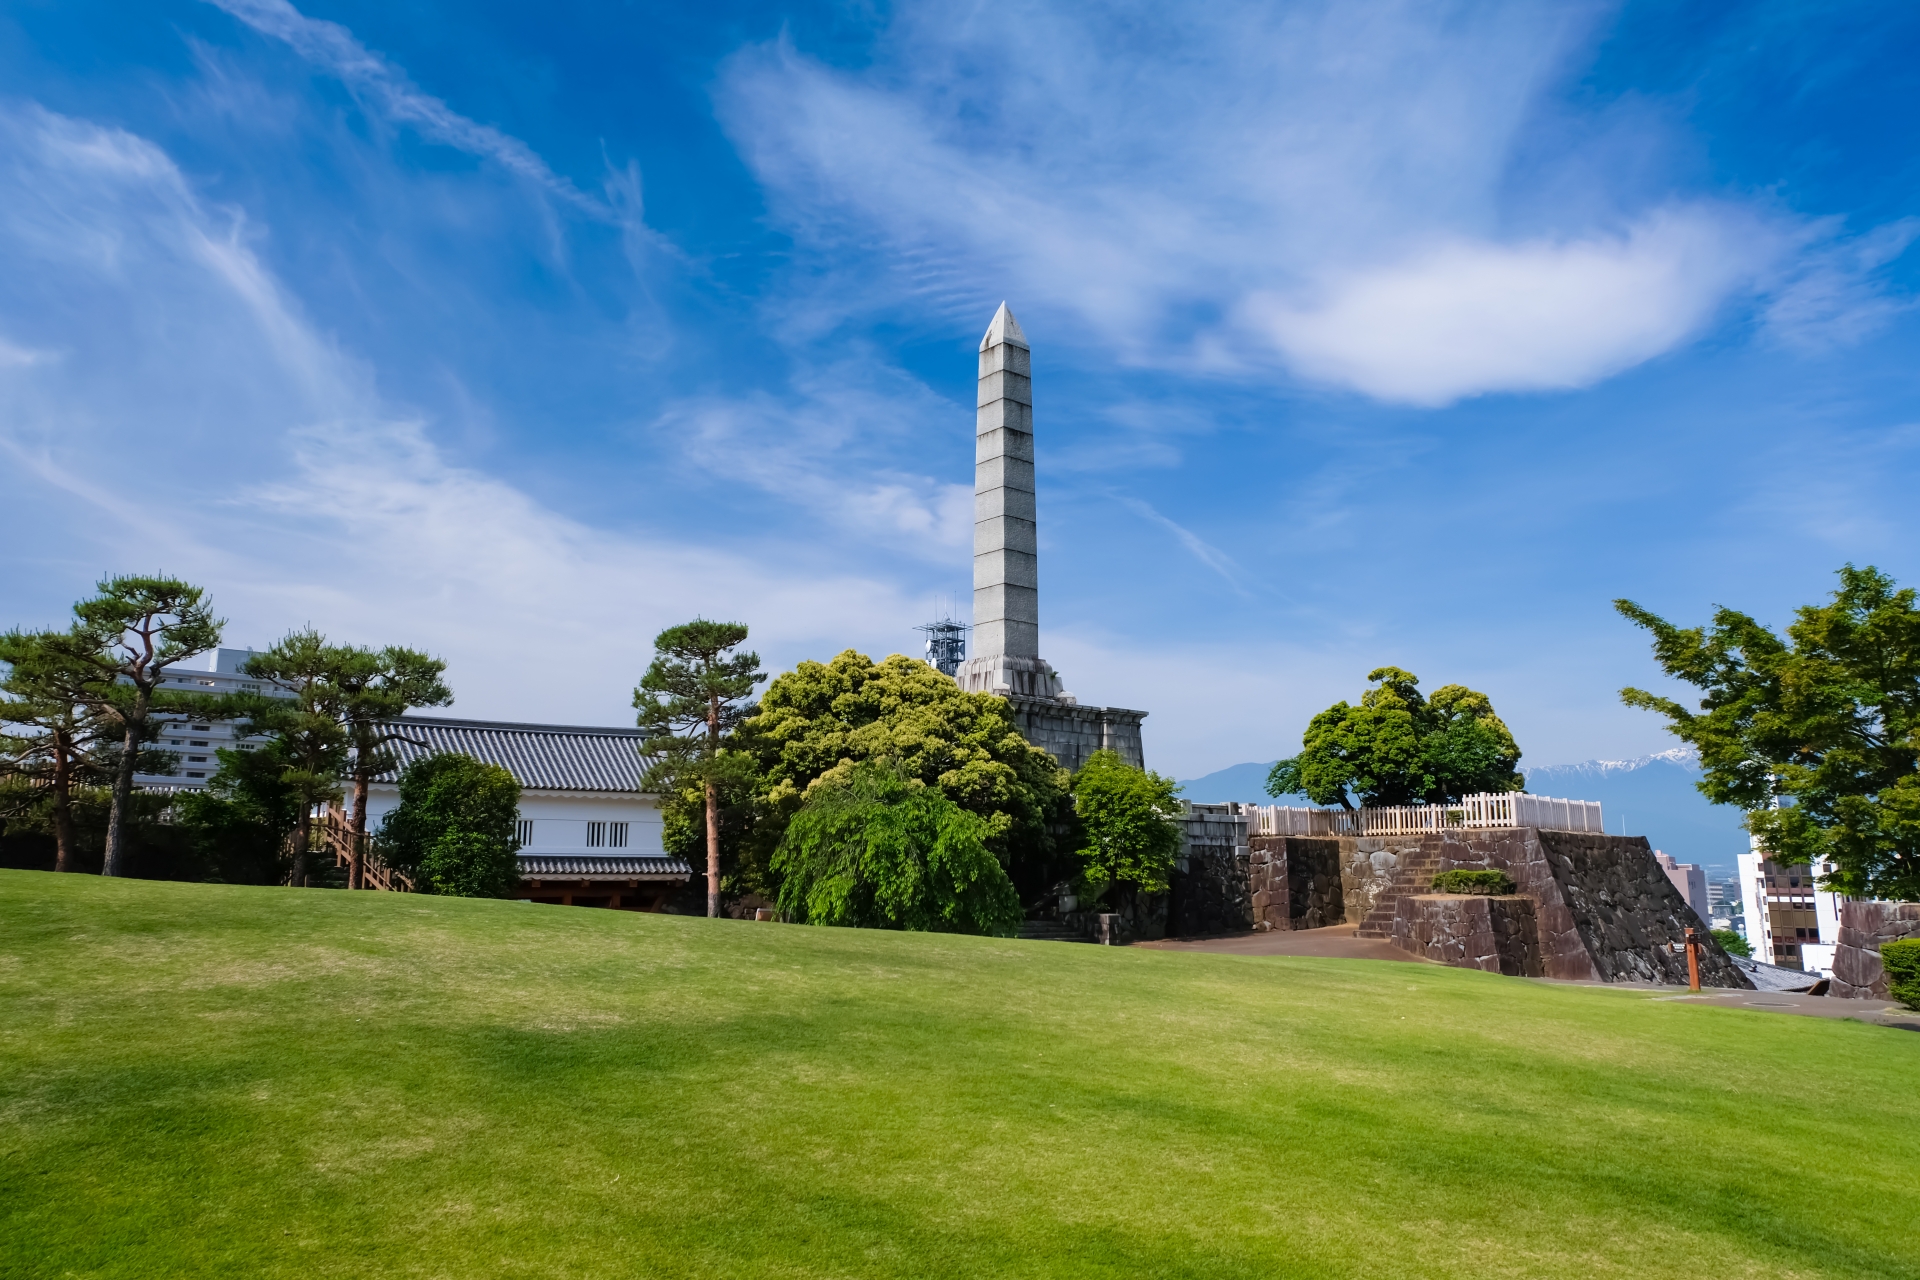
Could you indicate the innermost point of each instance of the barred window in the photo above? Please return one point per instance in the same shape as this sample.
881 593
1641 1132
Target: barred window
523 831
596 835
617 838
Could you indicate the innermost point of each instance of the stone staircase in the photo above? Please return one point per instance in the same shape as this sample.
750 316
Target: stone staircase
1414 874
1051 931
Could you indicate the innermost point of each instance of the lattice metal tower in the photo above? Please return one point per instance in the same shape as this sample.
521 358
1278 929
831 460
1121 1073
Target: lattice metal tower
946 642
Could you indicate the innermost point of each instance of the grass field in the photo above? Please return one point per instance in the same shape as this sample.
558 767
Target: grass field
204 1080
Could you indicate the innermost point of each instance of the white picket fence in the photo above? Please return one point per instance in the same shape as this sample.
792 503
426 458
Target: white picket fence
1489 809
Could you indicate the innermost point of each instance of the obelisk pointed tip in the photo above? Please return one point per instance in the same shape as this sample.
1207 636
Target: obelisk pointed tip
1003 329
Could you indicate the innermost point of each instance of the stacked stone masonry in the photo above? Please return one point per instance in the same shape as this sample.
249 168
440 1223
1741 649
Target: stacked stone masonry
1496 935
1864 928
1603 909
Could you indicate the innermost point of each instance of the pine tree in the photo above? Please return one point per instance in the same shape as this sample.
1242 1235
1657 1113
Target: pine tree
46 693
692 698
376 689
309 739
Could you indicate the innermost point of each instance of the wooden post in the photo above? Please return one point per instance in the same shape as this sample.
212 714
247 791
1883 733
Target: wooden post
1693 961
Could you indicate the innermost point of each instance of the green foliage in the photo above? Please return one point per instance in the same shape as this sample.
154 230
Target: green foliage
1732 943
238 826
1901 960
1128 817
872 848
128 635
821 719
309 740
1397 747
376 688
1827 720
52 744
453 830
1489 884
691 701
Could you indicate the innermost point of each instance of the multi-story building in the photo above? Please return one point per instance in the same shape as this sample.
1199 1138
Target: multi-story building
1791 922
1689 879
193 743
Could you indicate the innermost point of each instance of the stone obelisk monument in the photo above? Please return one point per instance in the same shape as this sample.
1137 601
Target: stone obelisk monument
1006 568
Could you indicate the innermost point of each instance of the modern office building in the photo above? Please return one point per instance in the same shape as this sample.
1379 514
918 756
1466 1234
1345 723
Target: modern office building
193 742
1791 922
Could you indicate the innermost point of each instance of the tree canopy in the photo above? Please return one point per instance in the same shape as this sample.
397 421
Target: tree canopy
873 848
1824 723
1128 815
1398 747
454 828
691 701
820 720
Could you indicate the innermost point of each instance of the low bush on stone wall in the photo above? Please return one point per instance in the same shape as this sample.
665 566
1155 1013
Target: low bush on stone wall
1489 884
1902 963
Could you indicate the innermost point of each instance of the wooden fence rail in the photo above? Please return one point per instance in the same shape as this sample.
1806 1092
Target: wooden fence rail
1489 809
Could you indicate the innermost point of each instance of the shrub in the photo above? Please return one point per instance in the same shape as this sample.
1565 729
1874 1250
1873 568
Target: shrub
1902 963
1490 884
876 849
453 831
1128 815
1732 943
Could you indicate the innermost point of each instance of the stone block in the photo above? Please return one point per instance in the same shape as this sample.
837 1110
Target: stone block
1009 416
1864 928
1003 471
1006 357
1004 384
1495 935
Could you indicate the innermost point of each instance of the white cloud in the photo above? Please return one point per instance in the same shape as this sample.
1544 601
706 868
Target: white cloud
1326 186
198 424
1469 317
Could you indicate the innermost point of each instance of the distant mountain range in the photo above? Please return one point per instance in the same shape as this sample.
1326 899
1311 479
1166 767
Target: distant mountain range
1652 796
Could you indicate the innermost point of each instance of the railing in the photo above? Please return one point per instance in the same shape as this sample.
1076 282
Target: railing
1489 809
332 833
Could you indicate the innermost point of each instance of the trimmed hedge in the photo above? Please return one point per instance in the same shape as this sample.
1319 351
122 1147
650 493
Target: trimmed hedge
1489 884
1902 963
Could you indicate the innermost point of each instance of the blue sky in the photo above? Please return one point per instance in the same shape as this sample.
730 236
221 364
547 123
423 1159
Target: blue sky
1363 333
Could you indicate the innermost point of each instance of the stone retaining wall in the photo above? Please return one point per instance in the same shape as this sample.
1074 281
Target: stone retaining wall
1296 882
1864 926
1497 935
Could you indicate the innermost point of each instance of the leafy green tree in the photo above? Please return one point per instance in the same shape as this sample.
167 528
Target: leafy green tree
872 848
690 702
240 822
1826 720
821 719
1732 943
309 742
46 693
376 689
454 828
1129 816
1397 747
129 634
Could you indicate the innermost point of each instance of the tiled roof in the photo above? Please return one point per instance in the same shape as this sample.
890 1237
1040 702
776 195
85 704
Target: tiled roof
548 867
551 756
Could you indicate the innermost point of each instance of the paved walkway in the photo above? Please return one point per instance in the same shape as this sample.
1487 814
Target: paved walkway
1339 942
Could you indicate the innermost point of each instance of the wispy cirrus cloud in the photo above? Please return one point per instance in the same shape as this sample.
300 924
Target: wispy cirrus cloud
389 91
1329 188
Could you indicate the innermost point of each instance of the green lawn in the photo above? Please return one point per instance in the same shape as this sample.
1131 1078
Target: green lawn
205 1080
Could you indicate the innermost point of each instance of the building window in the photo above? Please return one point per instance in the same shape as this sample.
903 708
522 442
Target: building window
201 743
523 831
618 836
196 775
196 759
596 835
201 728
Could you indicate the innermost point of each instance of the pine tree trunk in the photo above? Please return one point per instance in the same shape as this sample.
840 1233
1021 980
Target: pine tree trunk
63 859
713 849
301 834
116 859
356 868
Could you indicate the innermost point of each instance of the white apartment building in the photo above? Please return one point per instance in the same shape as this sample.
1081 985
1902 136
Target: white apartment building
1790 921
194 742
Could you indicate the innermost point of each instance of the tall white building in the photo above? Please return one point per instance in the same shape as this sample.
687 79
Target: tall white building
1790 921
1690 880
193 742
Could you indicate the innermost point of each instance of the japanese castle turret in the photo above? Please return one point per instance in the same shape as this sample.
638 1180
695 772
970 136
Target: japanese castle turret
1006 657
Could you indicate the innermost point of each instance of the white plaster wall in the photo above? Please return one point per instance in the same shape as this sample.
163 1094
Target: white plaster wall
560 820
